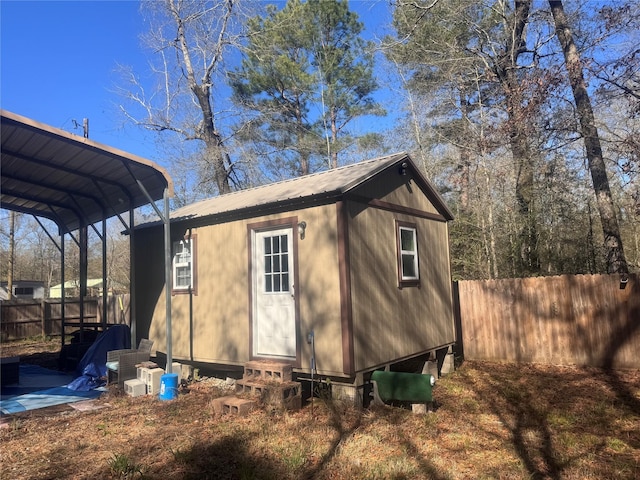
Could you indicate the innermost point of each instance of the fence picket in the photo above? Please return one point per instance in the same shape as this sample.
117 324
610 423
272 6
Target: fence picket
569 319
44 318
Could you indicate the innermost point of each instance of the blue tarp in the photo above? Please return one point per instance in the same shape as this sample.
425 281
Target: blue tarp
45 398
34 378
38 388
92 368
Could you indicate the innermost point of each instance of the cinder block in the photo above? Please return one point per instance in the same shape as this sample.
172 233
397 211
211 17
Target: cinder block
153 380
431 368
268 371
219 403
422 408
294 403
278 395
175 368
250 387
448 366
187 371
238 406
231 405
135 387
250 374
142 373
348 393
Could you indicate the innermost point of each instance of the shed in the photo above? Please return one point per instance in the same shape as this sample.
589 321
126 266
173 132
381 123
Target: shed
23 289
93 285
356 257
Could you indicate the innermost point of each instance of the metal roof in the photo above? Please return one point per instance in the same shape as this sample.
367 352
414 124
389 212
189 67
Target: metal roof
70 179
298 192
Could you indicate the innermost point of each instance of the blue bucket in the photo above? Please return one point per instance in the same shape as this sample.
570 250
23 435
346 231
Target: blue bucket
169 386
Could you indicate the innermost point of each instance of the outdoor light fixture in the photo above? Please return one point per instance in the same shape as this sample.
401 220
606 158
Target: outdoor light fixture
403 168
624 279
302 226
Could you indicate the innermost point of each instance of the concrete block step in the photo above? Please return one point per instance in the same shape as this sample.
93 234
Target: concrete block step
250 387
267 371
231 405
285 395
262 389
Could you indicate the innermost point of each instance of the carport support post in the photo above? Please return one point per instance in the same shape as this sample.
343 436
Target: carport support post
166 219
105 275
83 236
133 322
62 292
167 277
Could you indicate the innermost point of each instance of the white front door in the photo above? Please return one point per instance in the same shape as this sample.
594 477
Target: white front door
274 319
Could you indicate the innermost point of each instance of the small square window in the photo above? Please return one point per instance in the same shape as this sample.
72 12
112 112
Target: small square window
276 263
183 267
407 252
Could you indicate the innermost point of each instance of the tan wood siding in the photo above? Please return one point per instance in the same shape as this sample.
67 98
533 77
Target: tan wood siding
390 322
149 285
319 290
397 190
220 311
216 319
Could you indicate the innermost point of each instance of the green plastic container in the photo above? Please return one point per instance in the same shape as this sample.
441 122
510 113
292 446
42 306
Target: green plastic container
404 387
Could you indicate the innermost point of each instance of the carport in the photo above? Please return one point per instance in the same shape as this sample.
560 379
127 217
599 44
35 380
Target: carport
79 184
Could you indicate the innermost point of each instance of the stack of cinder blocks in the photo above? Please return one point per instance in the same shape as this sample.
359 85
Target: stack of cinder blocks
267 382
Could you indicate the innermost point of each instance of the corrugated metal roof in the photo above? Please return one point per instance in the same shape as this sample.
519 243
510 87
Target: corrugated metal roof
69 179
301 190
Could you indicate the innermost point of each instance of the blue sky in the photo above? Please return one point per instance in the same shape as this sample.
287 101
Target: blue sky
59 62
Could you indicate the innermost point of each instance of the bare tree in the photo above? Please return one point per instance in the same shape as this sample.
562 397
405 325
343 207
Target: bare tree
474 56
616 262
190 40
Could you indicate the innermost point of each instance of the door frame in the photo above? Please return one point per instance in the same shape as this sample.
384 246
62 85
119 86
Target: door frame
265 226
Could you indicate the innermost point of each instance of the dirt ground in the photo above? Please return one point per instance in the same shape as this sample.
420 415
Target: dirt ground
491 421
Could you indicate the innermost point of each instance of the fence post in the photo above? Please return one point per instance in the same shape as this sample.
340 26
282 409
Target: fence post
43 327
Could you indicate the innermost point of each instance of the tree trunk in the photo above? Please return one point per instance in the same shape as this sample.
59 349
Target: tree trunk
506 68
464 162
334 139
616 262
213 143
303 147
214 147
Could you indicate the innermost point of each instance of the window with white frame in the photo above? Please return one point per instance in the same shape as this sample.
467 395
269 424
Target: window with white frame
183 265
408 264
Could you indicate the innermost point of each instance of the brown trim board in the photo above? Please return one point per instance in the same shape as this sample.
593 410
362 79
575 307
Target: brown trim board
346 310
392 207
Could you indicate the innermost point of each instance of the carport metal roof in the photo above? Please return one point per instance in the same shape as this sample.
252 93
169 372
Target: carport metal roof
69 179
77 182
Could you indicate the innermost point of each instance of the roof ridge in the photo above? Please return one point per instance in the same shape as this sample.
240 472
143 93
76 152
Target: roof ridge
331 171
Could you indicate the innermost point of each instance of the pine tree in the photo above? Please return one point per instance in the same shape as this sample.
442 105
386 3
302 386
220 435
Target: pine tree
306 73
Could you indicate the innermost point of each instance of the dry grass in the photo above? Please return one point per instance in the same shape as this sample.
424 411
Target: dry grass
492 421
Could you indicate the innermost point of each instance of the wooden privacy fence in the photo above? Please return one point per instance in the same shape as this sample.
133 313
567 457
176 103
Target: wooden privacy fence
31 319
564 320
